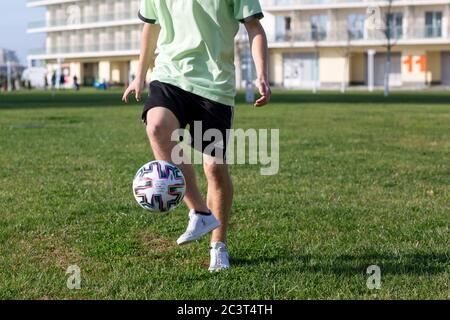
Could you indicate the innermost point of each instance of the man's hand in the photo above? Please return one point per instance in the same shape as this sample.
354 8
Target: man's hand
258 43
264 91
136 86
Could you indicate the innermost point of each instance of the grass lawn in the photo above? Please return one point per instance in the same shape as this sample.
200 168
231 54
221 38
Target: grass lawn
363 181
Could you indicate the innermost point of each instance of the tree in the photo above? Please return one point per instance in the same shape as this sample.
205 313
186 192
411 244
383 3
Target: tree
390 35
346 54
316 37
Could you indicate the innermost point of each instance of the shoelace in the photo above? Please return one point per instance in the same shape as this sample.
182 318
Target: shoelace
218 255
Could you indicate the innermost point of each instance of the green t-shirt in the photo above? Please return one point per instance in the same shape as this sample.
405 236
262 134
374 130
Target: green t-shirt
196 43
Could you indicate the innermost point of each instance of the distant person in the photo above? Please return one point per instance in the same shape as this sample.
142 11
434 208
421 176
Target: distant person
54 80
75 83
105 85
45 82
62 81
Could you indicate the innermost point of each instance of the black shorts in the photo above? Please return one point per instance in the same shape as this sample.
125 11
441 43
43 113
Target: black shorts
199 113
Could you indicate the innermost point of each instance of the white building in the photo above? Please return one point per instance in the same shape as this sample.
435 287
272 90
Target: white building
334 43
326 43
98 40
92 39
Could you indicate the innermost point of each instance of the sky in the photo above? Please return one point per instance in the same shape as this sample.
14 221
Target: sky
14 18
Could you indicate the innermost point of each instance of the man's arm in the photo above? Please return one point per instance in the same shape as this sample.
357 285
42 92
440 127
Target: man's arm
149 39
258 43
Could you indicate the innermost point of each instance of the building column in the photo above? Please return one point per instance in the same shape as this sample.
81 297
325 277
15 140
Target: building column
410 29
276 66
134 65
371 69
238 62
446 22
75 70
332 27
104 71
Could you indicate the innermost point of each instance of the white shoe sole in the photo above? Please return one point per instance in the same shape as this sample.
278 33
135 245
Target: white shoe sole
212 270
210 228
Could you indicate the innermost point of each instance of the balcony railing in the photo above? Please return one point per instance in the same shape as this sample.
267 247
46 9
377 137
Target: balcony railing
86 48
432 32
107 17
276 3
56 1
353 35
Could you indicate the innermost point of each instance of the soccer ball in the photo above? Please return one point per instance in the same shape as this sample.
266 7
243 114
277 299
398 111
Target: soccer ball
159 186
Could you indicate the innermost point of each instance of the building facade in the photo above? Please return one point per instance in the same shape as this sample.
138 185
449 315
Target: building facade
336 43
312 43
99 40
95 40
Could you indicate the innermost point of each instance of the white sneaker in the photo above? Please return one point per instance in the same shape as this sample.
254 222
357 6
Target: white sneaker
219 257
198 226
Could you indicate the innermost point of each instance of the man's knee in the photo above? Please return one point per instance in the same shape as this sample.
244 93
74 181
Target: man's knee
160 124
158 131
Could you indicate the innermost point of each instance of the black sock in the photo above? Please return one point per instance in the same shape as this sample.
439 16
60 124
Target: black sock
203 213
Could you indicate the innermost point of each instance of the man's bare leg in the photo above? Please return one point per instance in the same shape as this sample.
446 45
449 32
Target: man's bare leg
161 123
220 196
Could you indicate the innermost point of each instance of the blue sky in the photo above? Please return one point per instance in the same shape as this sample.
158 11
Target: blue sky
14 18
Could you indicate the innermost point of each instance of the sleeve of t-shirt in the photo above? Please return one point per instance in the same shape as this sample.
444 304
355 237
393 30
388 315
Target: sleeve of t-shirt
247 10
147 12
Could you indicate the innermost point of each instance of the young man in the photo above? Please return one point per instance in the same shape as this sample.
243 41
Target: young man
194 80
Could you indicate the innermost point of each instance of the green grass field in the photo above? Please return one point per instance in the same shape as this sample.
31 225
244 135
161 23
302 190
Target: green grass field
363 181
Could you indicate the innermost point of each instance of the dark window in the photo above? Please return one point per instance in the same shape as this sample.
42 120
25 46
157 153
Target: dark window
433 24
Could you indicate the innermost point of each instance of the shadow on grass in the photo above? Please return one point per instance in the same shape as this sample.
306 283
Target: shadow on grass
113 98
348 265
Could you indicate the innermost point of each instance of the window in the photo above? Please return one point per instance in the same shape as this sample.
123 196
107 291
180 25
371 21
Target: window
288 23
433 24
355 26
395 25
319 26
283 28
